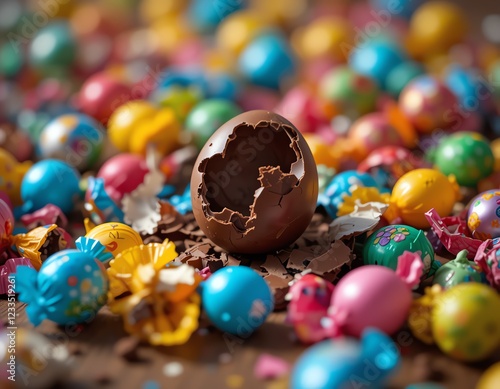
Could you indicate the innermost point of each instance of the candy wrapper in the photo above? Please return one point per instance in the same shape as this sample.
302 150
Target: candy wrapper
164 306
94 248
8 269
99 205
487 258
142 207
50 214
41 242
452 232
6 225
361 195
364 217
123 267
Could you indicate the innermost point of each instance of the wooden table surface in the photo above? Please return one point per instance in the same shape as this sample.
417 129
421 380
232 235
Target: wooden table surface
212 360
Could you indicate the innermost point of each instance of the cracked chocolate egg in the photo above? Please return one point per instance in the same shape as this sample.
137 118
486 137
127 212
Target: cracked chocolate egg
254 185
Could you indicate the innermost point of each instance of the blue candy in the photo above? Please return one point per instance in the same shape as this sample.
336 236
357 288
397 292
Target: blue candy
50 182
347 363
376 59
267 61
69 288
237 300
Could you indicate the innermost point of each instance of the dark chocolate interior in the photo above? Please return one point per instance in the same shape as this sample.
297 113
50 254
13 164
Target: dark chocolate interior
231 178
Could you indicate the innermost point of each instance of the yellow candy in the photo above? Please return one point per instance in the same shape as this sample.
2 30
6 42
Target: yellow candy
171 32
237 30
435 27
495 147
465 321
11 175
418 191
280 11
151 10
116 237
137 124
323 153
490 378
125 119
162 131
326 37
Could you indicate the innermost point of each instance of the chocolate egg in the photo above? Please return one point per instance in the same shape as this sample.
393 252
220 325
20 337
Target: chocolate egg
254 185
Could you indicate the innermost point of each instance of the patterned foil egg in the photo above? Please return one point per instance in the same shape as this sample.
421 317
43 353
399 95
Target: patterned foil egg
466 155
427 102
74 138
459 270
465 321
116 237
385 245
237 300
70 287
483 217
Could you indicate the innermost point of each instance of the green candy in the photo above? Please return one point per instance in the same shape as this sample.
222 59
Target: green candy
458 271
11 60
466 155
53 50
385 245
352 94
207 116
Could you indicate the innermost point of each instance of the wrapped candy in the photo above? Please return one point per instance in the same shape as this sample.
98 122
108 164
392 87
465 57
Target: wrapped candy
8 269
374 296
41 242
116 237
70 287
99 204
164 306
123 266
309 298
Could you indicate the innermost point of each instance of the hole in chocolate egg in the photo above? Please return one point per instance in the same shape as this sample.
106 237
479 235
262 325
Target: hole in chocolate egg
266 156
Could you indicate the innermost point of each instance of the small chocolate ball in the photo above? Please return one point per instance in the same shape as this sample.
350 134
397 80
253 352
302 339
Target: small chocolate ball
254 185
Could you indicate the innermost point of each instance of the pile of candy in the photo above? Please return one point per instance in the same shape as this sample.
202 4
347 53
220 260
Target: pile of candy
175 159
